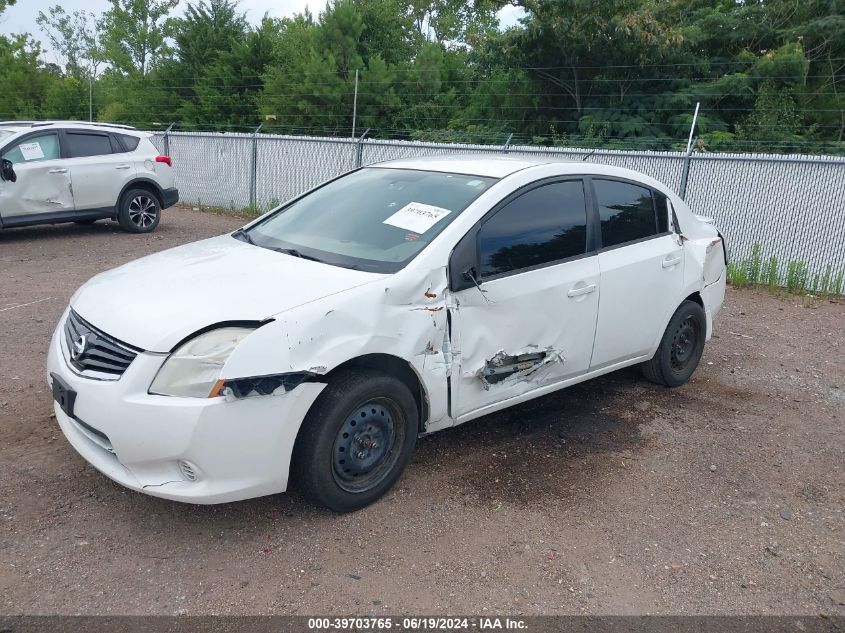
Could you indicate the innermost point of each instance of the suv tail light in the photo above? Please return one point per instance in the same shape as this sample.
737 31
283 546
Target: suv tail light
165 159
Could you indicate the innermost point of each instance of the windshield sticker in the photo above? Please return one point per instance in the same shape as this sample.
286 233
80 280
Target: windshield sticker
417 217
475 183
31 151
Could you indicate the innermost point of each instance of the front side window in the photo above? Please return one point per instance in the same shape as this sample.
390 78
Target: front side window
543 225
374 219
80 144
34 149
626 212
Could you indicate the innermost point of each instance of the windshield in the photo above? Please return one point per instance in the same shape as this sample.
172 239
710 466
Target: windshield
374 219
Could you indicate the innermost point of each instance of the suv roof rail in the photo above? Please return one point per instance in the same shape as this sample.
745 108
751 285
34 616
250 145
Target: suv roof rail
91 123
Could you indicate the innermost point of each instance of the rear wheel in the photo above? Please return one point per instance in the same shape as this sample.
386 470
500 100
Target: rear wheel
356 440
140 211
680 348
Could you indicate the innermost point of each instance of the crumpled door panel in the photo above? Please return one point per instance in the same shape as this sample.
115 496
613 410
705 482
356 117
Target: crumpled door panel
40 188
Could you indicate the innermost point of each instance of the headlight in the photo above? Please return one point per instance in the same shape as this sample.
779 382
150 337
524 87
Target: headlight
194 368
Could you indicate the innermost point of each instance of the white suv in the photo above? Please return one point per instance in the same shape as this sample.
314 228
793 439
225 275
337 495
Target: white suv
82 172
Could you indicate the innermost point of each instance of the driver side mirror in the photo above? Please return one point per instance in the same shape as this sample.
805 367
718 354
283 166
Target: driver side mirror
7 171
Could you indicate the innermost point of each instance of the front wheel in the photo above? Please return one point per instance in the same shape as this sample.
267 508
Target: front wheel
140 211
680 348
356 440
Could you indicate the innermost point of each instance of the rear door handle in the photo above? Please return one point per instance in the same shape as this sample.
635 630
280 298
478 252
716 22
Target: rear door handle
122 167
671 261
582 290
58 171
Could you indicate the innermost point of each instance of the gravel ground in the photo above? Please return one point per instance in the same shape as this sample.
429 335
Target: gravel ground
617 496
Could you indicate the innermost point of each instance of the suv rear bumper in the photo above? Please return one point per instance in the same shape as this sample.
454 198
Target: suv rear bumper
169 197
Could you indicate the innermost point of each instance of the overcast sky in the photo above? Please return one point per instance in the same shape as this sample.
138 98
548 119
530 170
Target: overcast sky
20 18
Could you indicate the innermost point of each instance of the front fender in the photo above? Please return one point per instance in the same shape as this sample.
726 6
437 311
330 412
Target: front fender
403 319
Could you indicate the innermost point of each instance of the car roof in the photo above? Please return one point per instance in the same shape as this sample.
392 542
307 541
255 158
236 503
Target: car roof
490 166
22 126
502 166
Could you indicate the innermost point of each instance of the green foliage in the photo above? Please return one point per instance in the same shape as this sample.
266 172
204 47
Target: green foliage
135 34
753 271
585 73
772 273
796 277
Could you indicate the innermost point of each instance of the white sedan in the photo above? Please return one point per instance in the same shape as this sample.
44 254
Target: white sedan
313 346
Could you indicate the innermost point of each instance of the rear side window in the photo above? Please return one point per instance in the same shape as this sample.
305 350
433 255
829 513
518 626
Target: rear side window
543 225
34 148
81 144
626 212
129 142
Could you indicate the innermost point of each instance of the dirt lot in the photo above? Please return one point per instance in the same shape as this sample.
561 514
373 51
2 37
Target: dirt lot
617 496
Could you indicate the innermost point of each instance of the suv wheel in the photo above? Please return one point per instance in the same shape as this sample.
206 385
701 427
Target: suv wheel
355 441
680 348
140 211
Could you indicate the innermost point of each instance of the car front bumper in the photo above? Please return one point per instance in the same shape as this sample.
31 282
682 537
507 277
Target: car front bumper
237 449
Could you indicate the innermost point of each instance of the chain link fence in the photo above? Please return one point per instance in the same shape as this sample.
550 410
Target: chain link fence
792 206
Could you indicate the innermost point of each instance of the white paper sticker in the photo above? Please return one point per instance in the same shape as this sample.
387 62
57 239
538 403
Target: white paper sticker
417 217
31 151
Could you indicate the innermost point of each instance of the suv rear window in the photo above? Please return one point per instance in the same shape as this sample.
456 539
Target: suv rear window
129 142
81 144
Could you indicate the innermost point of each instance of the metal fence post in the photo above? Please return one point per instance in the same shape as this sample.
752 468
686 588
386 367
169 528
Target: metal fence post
167 139
507 144
682 191
359 148
254 170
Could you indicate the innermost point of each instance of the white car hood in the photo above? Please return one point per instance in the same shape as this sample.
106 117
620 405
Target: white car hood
156 301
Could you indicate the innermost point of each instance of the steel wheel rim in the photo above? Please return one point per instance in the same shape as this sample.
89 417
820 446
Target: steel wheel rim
368 445
684 343
142 211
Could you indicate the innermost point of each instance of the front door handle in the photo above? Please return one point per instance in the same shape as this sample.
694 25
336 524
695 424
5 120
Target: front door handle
581 290
58 171
671 260
122 167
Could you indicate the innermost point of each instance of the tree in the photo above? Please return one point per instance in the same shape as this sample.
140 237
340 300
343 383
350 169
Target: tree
135 34
23 79
76 37
207 30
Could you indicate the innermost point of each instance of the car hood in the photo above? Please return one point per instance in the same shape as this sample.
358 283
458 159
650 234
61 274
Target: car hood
157 301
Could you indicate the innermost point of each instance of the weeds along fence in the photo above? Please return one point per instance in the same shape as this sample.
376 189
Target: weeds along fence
791 206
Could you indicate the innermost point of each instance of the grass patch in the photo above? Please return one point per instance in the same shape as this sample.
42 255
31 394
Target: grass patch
755 271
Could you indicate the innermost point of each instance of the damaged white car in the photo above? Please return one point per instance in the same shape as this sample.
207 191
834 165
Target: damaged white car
314 346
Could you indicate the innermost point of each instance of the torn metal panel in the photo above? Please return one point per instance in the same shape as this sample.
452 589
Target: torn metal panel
406 321
503 368
513 338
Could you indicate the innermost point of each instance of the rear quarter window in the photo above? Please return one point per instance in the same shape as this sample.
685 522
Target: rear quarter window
129 142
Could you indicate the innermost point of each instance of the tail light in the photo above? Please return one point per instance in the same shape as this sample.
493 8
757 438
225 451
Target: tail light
165 159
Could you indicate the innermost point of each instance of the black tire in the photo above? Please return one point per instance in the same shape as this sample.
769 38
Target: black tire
139 212
85 222
680 348
324 468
